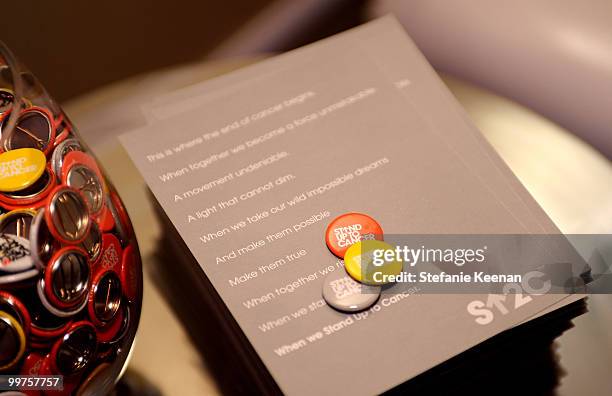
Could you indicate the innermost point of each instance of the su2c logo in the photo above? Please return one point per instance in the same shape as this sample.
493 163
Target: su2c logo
515 296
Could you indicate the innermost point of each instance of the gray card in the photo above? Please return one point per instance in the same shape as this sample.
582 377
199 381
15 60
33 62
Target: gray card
252 166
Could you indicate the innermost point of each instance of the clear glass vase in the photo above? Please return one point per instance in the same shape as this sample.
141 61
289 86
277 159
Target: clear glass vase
70 269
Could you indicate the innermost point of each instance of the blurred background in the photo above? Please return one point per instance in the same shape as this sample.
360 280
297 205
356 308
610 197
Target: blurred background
76 46
554 56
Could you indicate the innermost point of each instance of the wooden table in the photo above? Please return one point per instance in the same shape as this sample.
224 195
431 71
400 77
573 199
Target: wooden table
569 179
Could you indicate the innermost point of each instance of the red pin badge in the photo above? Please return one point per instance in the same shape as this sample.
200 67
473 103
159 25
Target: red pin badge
350 228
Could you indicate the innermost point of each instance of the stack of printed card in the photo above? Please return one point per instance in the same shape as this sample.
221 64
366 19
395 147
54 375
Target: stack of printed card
249 169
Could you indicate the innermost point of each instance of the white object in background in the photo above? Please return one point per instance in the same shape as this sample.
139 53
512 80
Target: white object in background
552 56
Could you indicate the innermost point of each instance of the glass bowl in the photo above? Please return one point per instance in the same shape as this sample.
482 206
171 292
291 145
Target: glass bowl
70 269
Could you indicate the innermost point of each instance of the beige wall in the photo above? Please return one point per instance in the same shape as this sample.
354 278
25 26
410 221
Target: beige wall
74 46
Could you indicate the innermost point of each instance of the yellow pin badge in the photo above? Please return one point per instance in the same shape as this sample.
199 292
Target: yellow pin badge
20 168
365 262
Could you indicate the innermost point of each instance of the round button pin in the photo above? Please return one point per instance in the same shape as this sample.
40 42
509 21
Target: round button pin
67 215
87 182
14 254
130 278
17 222
123 318
60 152
92 243
75 350
34 129
35 364
67 278
30 197
81 172
15 258
364 262
32 364
111 331
105 219
7 98
45 326
20 168
14 279
42 243
14 307
63 128
104 298
123 226
12 341
350 228
343 293
111 255
60 313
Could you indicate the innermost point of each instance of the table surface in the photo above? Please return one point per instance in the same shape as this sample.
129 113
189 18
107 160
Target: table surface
568 178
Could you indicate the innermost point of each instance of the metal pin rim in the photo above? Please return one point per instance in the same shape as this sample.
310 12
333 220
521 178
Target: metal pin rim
12 323
113 306
34 110
109 331
119 226
43 333
92 190
40 329
130 274
51 282
54 219
79 355
92 243
16 200
6 217
40 289
60 151
38 222
38 188
18 277
125 326
14 307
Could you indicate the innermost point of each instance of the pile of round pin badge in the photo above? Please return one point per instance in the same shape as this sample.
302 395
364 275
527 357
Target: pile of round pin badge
70 271
353 237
